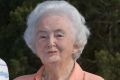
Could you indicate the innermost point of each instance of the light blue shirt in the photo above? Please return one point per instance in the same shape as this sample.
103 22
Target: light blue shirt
4 75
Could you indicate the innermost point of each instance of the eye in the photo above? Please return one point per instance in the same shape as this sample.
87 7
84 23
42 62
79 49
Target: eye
42 36
59 35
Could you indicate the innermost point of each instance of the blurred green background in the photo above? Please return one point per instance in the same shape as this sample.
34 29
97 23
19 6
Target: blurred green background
101 55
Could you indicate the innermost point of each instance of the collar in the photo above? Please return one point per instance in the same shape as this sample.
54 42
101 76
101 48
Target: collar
77 74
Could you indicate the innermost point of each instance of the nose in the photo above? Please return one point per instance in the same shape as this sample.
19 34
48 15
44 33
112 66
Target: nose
51 41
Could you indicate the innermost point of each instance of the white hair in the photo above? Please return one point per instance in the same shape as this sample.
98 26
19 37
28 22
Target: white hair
81 30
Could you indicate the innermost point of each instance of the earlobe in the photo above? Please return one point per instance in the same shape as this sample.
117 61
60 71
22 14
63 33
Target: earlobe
76 48
75 51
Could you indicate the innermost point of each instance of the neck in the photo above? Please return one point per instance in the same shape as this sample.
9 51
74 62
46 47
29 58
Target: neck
59 70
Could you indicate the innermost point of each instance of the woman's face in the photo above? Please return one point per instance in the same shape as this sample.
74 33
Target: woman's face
54 39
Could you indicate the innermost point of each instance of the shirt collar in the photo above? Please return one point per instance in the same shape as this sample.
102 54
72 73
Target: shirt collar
77 74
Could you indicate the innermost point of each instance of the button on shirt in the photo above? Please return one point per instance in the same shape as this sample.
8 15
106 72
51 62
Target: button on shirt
3 71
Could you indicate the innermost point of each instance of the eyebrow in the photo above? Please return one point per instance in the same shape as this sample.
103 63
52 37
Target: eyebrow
41 31
59 30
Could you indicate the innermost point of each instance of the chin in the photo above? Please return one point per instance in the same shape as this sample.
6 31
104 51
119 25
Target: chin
53 59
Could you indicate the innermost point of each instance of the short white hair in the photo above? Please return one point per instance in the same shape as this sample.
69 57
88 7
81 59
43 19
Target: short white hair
81 30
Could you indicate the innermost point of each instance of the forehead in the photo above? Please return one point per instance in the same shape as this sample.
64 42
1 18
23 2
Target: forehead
54 21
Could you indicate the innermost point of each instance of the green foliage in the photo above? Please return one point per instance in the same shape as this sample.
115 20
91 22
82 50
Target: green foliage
17 67
13 49
109 65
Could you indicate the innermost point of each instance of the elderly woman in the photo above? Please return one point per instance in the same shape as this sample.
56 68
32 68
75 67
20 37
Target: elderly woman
57 34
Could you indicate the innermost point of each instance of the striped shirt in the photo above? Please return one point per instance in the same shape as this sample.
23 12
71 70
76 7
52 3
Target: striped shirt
3 71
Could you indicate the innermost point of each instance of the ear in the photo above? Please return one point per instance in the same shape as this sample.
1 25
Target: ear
76 48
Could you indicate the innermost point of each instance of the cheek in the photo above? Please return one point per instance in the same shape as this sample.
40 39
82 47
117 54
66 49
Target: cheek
39 51
69 45
66 45
39 46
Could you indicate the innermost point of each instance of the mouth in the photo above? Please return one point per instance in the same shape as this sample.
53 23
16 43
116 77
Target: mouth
52 52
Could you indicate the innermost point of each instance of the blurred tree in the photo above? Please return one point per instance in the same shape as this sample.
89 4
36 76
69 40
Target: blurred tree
13 48
109 65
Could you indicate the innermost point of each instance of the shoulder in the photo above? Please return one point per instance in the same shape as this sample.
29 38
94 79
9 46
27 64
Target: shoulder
90 76
4 75
31 76
25 77
2 62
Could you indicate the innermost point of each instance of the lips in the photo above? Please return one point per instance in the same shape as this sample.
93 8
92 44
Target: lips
52 52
